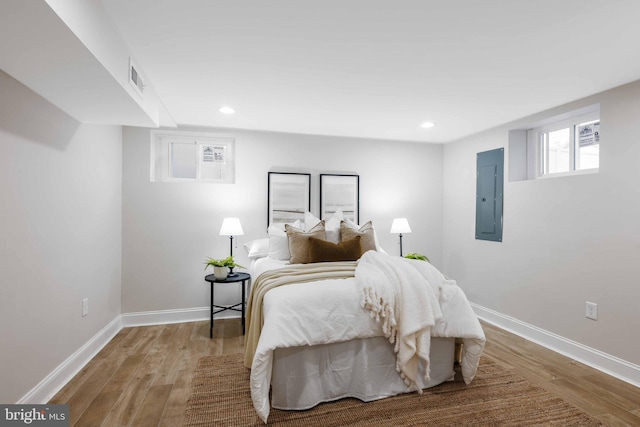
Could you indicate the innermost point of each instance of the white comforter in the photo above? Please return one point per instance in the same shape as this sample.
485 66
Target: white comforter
331 311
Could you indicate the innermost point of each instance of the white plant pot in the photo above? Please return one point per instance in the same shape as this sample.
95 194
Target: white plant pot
221 273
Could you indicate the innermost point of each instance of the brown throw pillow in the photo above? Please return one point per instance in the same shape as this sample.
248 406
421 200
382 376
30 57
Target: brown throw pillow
368 241
299 241
323 251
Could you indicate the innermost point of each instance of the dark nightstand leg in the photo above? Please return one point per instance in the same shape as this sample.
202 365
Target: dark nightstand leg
211 324
243 300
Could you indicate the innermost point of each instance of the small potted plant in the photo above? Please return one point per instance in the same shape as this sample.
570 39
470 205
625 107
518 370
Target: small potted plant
221 266
415 255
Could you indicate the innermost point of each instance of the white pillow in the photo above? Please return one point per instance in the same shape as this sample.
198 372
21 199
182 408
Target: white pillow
332 227
310 221
258 248
279 242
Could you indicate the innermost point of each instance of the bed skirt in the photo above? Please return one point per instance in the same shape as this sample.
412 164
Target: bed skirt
303 377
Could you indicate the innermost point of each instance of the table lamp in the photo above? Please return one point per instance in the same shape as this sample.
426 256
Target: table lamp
399 226
231 227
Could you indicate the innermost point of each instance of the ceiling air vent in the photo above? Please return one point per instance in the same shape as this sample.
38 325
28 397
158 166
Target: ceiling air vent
135 78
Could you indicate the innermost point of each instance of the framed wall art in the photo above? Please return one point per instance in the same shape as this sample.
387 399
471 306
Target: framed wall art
289 197
340 192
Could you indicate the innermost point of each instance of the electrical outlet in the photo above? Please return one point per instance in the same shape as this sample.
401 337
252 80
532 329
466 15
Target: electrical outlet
85 307
592 310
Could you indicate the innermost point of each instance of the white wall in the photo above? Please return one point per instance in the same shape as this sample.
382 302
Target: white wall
170 228
60 228
566 240
91 23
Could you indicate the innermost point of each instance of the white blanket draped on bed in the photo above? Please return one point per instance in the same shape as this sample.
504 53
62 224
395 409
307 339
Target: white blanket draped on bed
330 311
399 297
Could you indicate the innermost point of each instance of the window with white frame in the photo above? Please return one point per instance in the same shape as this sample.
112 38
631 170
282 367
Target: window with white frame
191 157
567 146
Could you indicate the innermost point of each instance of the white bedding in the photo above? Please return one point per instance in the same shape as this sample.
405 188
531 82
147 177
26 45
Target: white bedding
364 368
260 265
330 311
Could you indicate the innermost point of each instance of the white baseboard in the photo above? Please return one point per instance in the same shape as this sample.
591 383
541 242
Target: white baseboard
50 385
163 317
611 365
61 375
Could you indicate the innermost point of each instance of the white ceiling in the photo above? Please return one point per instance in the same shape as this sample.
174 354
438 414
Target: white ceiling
374 68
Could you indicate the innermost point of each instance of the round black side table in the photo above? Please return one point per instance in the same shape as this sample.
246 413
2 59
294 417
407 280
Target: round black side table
236 278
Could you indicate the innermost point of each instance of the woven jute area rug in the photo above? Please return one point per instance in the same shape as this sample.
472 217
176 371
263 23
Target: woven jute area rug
220 396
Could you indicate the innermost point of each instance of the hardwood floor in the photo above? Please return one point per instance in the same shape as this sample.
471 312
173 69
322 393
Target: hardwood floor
142 377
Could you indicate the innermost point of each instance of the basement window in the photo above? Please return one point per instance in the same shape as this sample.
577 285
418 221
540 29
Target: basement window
563 145
568 146
191 157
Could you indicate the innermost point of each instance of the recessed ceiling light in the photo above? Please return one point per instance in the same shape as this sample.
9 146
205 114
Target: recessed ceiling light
427 125
227 110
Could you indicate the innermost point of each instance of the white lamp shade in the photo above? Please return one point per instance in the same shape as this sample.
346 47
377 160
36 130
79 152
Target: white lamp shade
400 225
231 227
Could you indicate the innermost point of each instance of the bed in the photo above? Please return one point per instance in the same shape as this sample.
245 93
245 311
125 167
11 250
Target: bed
312 336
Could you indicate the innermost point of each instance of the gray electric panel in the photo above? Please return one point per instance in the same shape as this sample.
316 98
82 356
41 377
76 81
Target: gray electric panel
489 194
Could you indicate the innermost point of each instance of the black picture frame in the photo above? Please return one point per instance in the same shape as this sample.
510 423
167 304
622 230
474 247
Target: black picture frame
340 191
288 197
